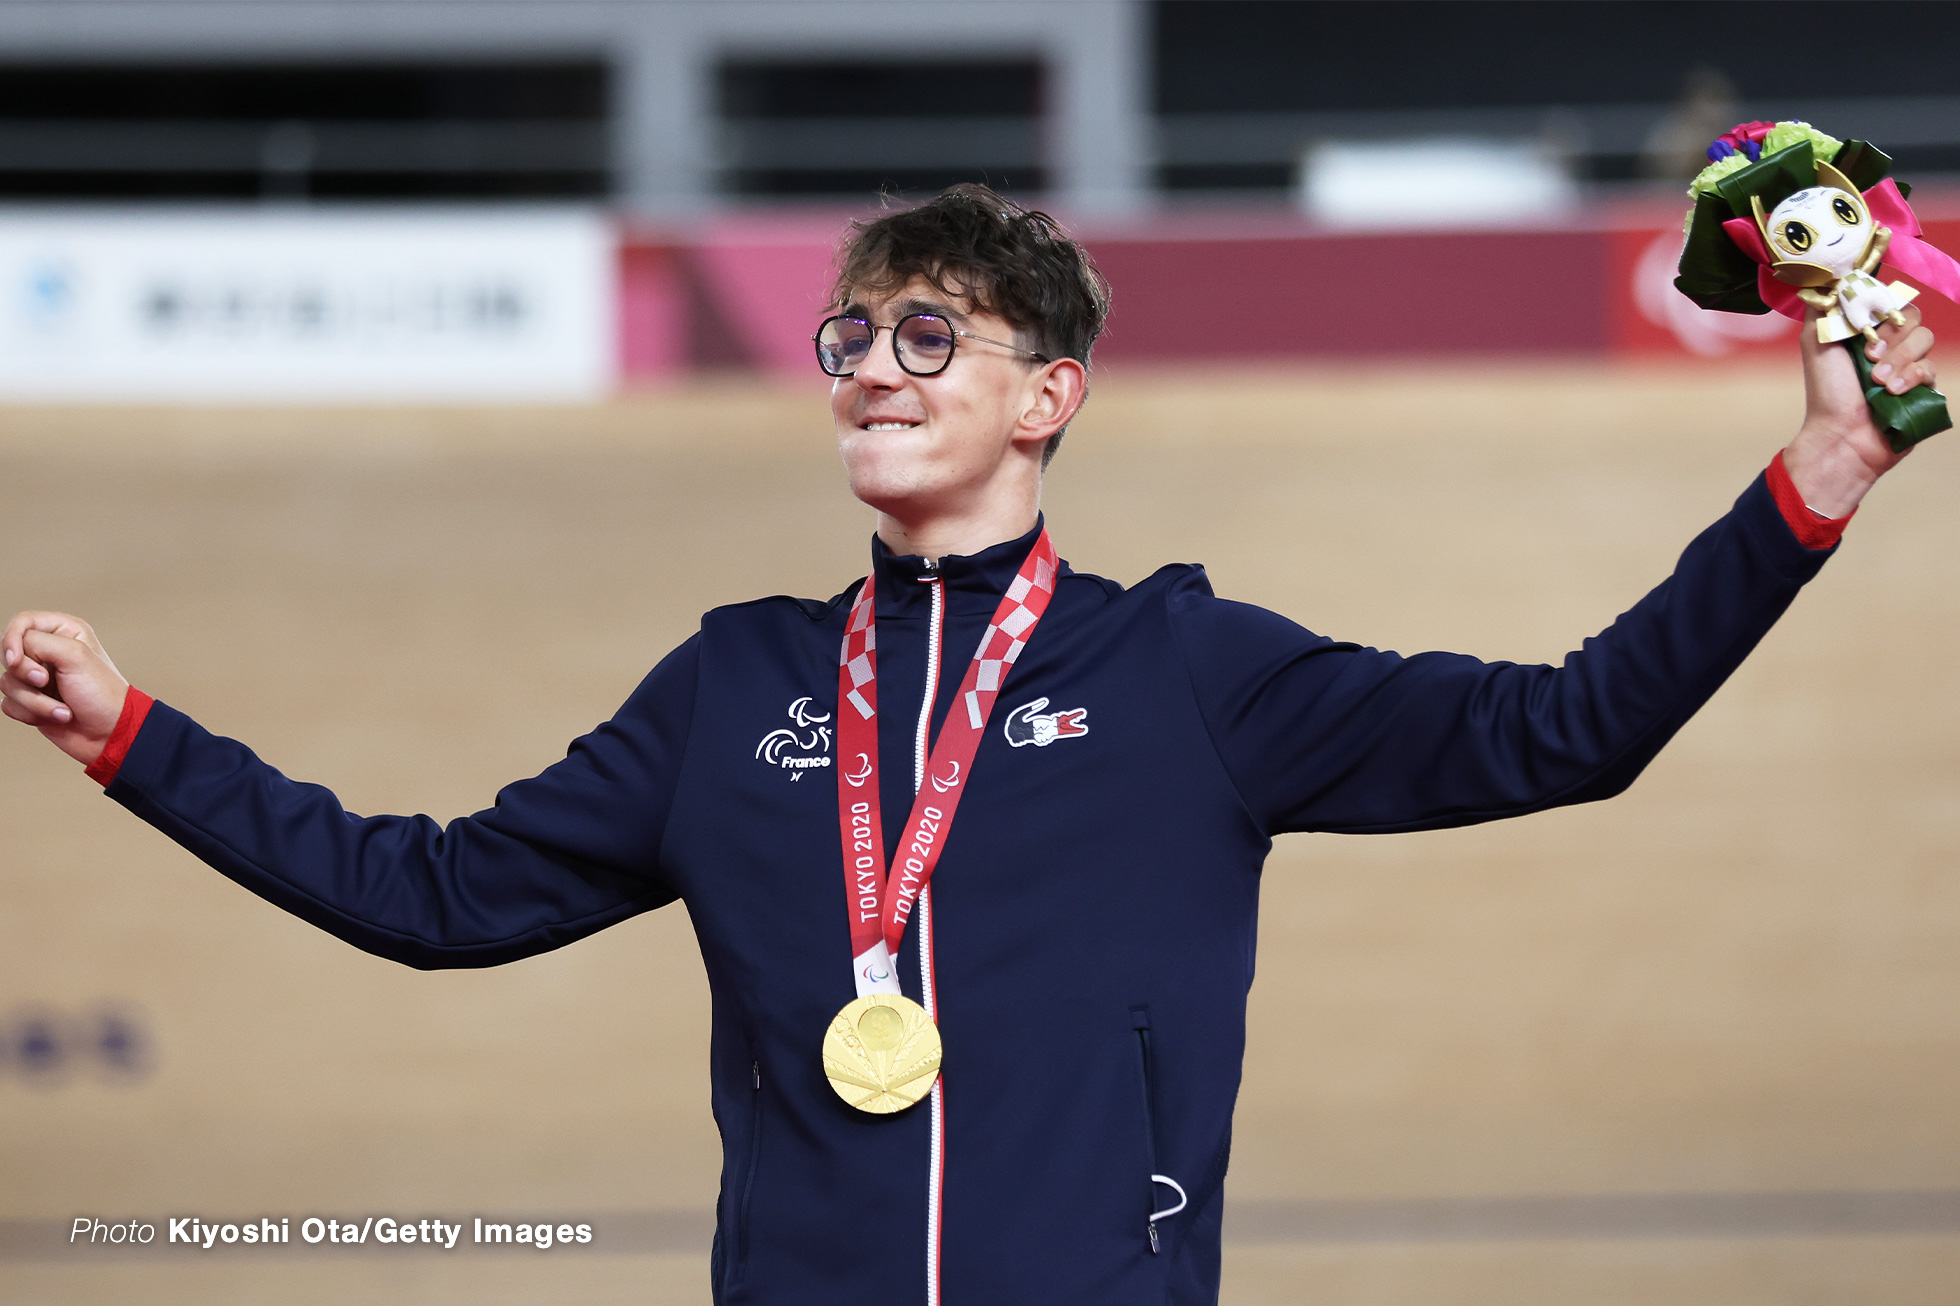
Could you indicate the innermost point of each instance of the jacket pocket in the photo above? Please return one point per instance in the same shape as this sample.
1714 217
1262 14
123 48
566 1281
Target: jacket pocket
1165 1194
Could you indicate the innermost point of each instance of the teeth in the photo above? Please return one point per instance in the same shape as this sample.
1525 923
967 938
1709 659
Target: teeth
889 426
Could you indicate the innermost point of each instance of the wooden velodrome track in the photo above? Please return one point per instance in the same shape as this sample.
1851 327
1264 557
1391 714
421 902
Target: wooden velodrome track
1700 1044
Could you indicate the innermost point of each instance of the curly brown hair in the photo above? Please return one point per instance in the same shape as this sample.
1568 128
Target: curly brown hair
974 246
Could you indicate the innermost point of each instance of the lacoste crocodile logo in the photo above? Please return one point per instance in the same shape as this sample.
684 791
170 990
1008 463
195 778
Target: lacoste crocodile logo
1028 724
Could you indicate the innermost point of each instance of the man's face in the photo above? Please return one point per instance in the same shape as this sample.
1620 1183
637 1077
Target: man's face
926 444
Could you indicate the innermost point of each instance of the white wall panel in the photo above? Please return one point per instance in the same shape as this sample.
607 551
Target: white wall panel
303 305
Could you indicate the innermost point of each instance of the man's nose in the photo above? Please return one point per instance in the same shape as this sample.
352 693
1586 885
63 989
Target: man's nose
879 369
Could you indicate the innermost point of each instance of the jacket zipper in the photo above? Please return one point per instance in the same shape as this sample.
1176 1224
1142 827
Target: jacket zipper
755 1157
924 925
923 736
1140 1019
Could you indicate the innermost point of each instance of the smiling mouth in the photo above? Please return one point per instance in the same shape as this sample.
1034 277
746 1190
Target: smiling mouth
889 426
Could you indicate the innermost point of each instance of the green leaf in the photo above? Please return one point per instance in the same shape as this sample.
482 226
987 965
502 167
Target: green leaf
1864 163
1714 273
1774 177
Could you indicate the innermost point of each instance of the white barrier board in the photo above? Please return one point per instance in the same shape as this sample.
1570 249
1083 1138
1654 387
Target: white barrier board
297 305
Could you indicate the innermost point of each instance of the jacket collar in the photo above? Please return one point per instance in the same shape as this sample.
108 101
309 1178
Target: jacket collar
969 579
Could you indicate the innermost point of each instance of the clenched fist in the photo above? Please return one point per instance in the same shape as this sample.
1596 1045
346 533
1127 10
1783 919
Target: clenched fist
58 680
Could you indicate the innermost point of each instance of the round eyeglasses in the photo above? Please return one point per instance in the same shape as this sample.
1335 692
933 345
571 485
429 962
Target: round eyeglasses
923 343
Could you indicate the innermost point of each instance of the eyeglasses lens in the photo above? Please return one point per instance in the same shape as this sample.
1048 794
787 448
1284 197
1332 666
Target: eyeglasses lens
842 344
925 344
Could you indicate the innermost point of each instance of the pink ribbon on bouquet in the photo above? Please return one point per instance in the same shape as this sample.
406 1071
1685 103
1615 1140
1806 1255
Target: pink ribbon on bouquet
1908 253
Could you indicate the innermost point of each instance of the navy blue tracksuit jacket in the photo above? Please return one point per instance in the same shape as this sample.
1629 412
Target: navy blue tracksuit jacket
1100 886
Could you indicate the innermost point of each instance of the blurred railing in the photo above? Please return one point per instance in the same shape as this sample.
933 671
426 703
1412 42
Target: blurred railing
859 143
162 145
1601 142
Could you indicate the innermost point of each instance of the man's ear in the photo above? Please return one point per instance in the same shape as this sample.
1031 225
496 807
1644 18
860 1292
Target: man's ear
1058 391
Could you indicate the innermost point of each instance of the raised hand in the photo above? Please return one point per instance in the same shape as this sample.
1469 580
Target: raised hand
1840 453
58 679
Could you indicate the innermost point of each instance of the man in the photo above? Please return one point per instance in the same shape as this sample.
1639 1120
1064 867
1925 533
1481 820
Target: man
1103 771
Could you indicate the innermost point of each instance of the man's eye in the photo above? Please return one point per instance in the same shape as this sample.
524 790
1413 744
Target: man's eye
1797 236
933 340
1846 211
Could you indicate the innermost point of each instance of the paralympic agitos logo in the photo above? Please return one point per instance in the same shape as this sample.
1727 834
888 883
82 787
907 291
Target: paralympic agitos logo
805 748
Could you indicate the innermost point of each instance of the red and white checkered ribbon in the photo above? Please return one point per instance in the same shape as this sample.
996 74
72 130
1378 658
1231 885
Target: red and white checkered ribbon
1027 598
881 899
857 683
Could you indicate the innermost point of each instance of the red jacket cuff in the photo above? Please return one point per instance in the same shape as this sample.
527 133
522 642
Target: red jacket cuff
1812 529
135 710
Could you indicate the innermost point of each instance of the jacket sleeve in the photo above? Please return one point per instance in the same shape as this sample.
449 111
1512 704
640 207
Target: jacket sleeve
1321 735
559 856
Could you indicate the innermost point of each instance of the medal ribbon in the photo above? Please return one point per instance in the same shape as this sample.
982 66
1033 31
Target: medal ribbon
881 894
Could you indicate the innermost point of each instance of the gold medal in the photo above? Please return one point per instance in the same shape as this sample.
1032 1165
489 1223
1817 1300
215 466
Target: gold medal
881 1053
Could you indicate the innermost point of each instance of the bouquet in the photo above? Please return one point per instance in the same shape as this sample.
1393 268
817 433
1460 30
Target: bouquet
1786 218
